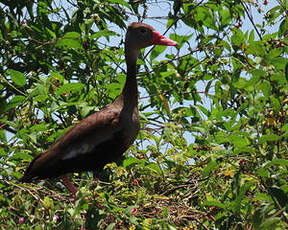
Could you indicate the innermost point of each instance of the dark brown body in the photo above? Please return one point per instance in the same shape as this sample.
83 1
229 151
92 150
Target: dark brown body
88 146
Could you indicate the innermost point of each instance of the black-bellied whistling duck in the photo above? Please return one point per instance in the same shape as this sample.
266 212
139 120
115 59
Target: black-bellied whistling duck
105 135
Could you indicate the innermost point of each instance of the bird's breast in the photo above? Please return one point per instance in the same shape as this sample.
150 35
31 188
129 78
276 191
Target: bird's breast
130 128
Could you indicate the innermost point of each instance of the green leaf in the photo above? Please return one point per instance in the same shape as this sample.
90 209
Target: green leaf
47 203
107 33
244 149
204 110
257 49
133 220
15 101
210 166
131 160
111 226
22 156
241 83
263 172
53 35
285 188
70 87
275 53
266 88
70 40
257 74
2 153
40 98
267 224
114 89
170 22
17 77
284 128
237 203
269 137
238 141
251 36
225 16
207 17
3 136
180 39
279 62
156 52
214 203
283 27
278 162
154 167
275 104
237 38
262 197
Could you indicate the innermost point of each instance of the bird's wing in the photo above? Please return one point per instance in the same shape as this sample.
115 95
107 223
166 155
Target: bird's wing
88 133
79 140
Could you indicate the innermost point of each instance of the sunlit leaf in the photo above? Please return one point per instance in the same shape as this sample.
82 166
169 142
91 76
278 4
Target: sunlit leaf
70 87
17 77
70 40
15 101
269 137
105 32
278 162
157 51
210 166
213 203
165 103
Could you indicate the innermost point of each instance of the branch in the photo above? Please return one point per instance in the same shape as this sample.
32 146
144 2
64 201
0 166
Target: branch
251 19
7 128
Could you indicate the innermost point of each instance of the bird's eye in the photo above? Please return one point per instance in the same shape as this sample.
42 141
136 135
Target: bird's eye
143 30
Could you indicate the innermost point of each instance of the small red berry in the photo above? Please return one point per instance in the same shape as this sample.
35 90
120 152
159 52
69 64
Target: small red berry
21 220
134 211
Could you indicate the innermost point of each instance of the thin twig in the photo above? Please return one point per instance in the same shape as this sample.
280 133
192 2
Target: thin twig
7 128
250 18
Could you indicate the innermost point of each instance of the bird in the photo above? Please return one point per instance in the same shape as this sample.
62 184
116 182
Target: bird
104 136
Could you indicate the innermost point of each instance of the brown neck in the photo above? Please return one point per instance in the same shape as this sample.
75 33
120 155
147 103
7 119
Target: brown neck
130 91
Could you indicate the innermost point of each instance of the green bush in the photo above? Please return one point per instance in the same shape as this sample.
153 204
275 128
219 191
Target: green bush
212 151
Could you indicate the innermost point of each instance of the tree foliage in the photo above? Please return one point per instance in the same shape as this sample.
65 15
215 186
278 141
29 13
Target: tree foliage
214 158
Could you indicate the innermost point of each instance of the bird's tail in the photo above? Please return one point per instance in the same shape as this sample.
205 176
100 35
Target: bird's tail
29 174
26 178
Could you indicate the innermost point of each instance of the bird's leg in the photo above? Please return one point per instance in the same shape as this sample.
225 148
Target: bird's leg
68 185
